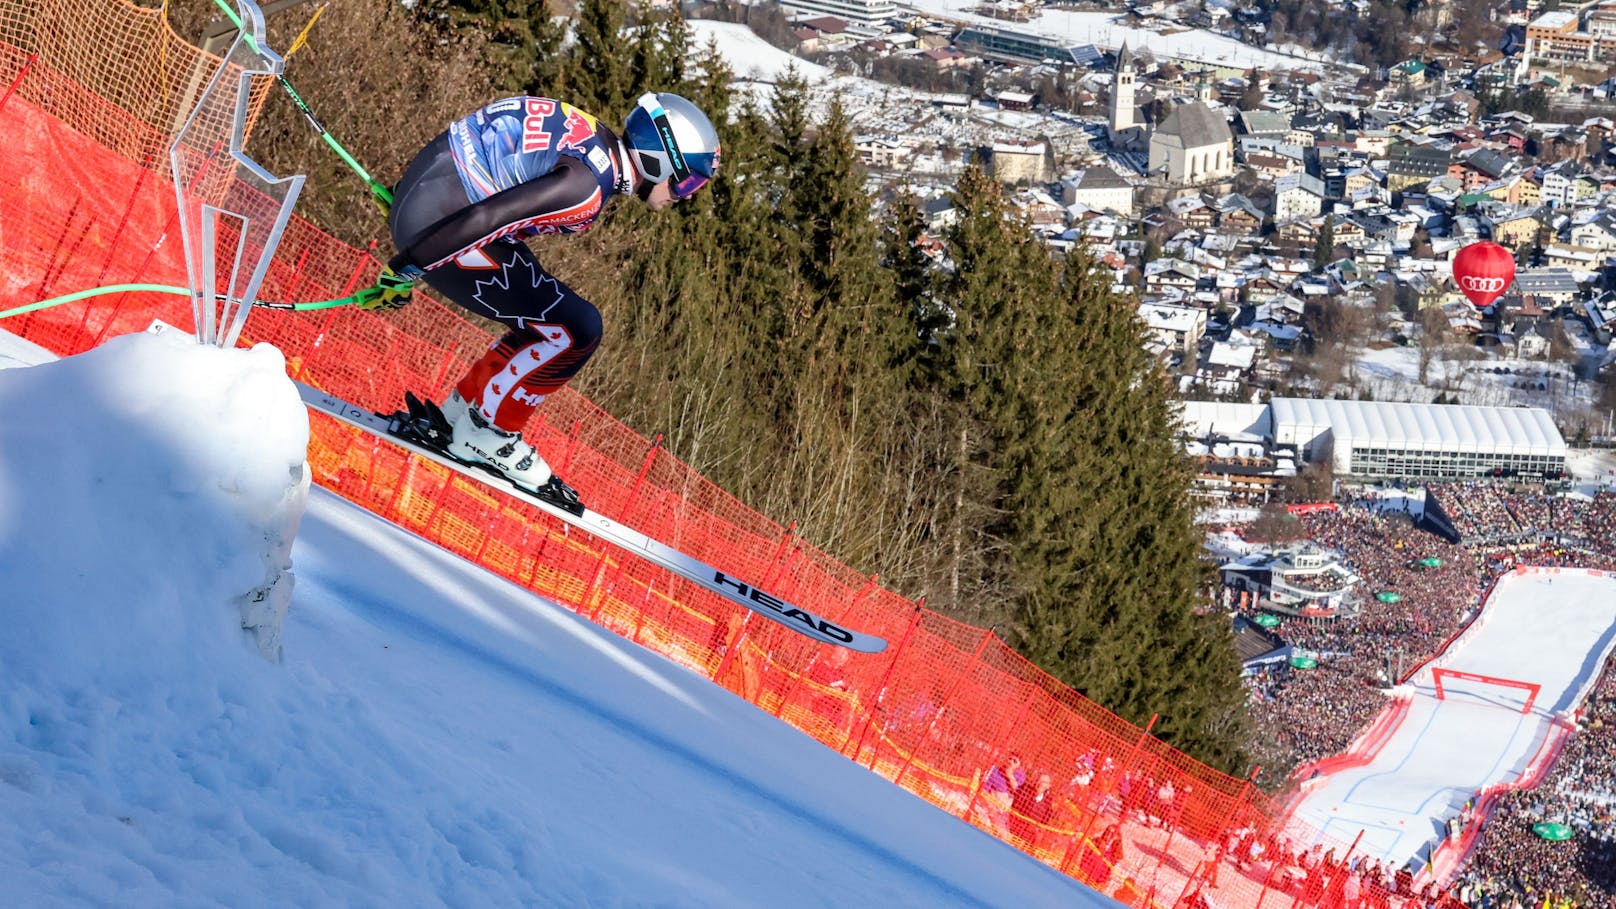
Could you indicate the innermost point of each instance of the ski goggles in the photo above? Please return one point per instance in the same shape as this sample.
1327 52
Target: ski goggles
689 174
684 189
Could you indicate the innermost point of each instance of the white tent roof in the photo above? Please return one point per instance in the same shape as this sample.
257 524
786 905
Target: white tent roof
1433 427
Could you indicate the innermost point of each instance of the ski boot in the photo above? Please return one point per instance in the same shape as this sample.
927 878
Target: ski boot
472 439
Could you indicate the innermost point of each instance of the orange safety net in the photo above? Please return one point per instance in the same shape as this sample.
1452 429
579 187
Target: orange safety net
944 712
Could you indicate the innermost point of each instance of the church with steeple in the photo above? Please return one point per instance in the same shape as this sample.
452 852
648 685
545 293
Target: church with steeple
1125 129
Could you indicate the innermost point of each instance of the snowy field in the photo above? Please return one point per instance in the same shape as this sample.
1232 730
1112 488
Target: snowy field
1554 630
1109 31
1393 374
752 58
1592 470
432 736
892 110
877 108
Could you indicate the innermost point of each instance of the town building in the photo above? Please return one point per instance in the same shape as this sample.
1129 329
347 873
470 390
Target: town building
1511 227
1176 328
1014 163
1009 46
1408 75
1378 439
866 13
1099 188
1556 37
1234 472
1193 145
1264 124
1298 196
882 153
1551 286
1303 579
1123 126
1383 440
1598 233
1410 164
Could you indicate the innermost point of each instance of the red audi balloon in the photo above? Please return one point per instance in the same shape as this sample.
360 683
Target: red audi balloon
1483 270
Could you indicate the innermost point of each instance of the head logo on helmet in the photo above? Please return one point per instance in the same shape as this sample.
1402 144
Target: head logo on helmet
672 142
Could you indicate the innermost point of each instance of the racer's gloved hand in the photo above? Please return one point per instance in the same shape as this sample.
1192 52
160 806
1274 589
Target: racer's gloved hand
405 267
391 291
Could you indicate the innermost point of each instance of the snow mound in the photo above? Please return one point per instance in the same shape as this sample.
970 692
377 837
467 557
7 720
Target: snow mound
103 589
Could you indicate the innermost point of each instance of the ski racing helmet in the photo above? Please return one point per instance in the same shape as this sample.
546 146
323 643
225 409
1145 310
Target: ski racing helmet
673 142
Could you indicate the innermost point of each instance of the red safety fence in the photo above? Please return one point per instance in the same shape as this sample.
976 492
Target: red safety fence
943 712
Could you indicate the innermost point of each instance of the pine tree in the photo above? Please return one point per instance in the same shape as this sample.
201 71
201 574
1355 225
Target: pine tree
998 281
599 75
789 128
1324 250
903 253
1074 508
1116 555
847 342
706 80
658 55
523 39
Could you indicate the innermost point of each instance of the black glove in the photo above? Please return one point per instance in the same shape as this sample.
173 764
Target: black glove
405 267
391 291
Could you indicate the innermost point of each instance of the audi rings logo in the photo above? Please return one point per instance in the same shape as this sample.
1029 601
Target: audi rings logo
1482 285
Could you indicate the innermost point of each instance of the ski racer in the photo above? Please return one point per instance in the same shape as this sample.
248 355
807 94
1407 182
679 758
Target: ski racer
522 167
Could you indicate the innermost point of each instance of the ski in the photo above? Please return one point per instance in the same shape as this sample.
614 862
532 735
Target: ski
420 428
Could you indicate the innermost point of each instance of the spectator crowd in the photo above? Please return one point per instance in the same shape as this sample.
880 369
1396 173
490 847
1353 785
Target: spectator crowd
1309 714
1513 865
1304 715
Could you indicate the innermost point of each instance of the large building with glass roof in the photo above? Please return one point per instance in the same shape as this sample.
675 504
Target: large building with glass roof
1385 440
1024 47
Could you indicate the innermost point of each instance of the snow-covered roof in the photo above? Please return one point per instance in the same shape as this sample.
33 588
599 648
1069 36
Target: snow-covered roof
1303 182
1601 312
1433 427
1227 419
1166 317
1277 330
1546 281
1237 449
1238 356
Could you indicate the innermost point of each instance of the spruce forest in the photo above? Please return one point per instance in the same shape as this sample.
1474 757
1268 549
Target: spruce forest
986 431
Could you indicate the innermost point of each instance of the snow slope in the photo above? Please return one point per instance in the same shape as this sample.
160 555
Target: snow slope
752 58
432 735
1552 629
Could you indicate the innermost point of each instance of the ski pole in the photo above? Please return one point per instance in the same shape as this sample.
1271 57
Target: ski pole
164 289
379 194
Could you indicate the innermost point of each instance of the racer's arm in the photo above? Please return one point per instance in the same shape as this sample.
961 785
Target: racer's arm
567 196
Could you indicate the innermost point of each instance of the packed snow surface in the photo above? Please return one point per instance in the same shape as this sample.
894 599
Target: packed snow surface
430 736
